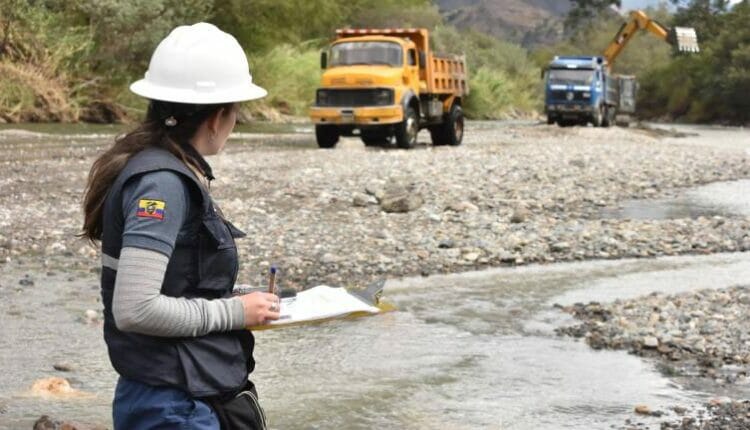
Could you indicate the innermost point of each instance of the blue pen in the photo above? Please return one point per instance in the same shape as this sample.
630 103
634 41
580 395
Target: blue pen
272 281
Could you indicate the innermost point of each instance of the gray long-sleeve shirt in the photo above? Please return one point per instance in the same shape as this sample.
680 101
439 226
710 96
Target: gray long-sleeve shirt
149 237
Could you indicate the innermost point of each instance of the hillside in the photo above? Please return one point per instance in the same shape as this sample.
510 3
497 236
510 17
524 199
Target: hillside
529 22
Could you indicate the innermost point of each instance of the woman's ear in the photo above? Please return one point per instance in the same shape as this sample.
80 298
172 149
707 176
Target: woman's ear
214 121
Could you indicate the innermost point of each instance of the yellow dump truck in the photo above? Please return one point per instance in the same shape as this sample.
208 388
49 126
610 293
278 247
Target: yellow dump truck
382 84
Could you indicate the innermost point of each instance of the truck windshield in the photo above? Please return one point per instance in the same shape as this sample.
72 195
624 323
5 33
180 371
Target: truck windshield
571 76
350 53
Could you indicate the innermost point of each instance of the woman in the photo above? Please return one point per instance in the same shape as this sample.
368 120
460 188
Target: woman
175 334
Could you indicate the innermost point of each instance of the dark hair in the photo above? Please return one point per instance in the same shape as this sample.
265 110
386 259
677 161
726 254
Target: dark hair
154 131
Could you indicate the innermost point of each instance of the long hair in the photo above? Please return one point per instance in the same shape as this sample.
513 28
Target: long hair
152 132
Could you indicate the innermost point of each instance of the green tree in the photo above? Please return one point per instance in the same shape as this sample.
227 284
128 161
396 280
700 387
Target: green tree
713 85
706 16
127 31
584 12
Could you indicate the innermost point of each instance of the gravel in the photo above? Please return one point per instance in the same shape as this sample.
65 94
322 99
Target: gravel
511 195
701 333
718 416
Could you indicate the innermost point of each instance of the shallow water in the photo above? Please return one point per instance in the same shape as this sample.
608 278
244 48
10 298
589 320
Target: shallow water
475 350
718 198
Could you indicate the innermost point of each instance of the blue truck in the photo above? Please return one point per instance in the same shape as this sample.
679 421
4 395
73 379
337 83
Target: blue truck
580 90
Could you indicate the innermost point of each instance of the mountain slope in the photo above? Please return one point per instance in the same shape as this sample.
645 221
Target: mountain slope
529 22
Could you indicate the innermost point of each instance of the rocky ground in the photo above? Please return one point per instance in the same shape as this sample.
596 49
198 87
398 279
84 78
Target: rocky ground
511 195
702 334
698 334
716 415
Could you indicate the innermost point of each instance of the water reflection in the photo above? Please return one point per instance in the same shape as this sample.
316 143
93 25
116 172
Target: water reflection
719 198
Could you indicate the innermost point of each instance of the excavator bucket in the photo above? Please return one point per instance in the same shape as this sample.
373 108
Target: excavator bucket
684 39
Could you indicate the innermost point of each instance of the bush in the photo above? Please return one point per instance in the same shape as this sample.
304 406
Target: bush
502 77
290 74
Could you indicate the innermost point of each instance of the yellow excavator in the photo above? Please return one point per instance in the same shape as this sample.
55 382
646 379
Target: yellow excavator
683 39
581 89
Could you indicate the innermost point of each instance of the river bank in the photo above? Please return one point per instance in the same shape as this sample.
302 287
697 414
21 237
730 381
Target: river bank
511 195
514 194
693 336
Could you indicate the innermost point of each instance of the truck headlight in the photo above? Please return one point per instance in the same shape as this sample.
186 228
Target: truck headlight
383 97
322 98
586 95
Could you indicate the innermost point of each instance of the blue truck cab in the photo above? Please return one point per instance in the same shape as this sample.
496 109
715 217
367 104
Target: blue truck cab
579 90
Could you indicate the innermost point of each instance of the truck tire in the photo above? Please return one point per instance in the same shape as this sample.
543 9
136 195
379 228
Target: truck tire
326 135
550 120
451 131
609 116
598 118
407 131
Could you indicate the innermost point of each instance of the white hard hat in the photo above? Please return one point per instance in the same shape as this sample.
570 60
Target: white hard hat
198 64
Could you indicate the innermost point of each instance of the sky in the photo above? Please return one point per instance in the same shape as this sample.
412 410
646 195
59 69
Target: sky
637 4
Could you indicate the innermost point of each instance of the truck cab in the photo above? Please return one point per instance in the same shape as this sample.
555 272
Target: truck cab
578 90
384 83
371 75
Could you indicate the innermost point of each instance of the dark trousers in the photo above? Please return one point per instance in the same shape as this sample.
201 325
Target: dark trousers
143 407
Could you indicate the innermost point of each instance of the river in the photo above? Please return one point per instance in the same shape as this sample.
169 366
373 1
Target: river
463 351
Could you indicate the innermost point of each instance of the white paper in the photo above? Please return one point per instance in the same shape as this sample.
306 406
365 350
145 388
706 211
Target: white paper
318 303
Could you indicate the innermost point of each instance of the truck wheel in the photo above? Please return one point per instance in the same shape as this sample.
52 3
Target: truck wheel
598 117
451 131
607 120
326 135
550 120
407 131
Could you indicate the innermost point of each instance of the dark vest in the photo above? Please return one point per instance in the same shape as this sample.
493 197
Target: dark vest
204 264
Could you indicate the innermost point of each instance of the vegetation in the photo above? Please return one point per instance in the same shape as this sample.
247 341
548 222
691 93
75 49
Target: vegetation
710 87
72 60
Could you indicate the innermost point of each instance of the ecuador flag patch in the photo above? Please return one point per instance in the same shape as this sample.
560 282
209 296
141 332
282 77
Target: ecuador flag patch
148 208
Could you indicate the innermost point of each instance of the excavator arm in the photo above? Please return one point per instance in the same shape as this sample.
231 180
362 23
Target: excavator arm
683 39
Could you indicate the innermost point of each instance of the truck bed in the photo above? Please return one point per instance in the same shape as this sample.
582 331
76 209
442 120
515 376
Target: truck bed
446 75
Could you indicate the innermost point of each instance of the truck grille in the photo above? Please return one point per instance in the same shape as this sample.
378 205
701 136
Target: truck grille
562 96
354 97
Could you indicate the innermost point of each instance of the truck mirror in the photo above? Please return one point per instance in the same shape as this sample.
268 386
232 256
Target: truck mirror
422 59
544 72
323 60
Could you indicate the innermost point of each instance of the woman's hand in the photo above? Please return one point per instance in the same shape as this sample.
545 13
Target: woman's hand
259 308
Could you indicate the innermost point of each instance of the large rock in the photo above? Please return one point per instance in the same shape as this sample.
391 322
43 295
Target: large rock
463 206
520 214
650 342
398 198
46 423
362 200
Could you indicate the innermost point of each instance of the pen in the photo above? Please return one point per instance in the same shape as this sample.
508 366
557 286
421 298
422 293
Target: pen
272 281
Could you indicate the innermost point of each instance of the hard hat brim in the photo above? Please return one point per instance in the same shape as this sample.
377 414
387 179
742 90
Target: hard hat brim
248 91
